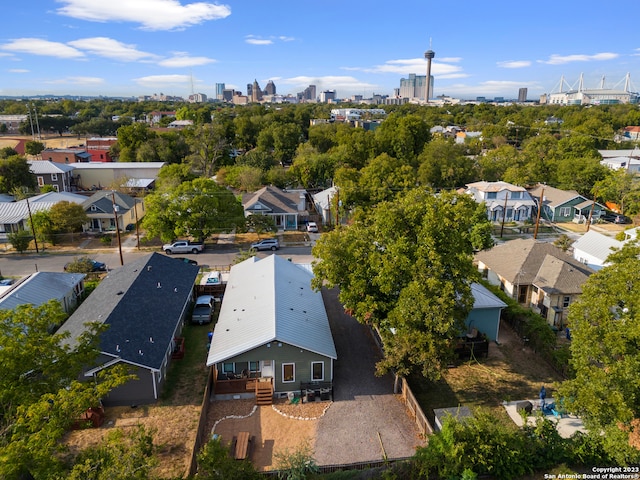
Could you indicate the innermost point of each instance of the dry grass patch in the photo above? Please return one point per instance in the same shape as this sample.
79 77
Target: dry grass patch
511 372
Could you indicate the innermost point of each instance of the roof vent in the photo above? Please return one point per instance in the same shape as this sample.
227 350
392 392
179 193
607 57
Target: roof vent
140 352
175 289
118 348
150 339
120 293
148 268
159 285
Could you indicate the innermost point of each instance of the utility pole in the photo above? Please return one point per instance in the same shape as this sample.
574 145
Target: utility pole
135 211
33 227
593 205
535 232
504 212
115 217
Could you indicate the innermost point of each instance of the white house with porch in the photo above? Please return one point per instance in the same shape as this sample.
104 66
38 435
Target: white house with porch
504 201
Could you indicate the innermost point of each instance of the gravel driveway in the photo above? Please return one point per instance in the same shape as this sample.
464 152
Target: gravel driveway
367 421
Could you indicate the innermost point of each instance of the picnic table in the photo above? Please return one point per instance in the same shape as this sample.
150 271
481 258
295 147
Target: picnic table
241 450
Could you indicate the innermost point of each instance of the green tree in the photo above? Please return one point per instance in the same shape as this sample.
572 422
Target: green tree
209 148
15 172
20 240
443 164
622 188
120 456
68 217
40 222
197 208
40 396
216 463
261 224
402 136
33 147
79 265
406 269
297 464
605 329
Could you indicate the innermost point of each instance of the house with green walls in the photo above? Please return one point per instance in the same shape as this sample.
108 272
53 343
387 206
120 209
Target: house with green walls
272 332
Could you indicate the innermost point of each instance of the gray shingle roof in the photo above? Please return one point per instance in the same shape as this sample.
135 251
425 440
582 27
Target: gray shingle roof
519 261
142 302
274 199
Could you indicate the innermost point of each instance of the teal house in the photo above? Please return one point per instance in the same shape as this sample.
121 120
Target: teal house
272 333
559 206
485 314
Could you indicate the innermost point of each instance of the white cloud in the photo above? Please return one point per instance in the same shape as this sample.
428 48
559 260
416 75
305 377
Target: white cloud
150 14
258 41
110 48
515 64
181 60
286 39
562 59
415 65
37 46
18 70
163 81
77 81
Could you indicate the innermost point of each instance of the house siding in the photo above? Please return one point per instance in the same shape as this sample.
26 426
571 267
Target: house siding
281 355
134 392
485 320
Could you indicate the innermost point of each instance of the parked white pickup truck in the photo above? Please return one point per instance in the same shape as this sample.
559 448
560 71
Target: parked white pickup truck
183 246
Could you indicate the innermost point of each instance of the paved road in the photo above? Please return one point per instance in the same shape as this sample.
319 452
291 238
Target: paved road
366 420
19 265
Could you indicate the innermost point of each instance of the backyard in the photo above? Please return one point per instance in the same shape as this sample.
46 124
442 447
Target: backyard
511 372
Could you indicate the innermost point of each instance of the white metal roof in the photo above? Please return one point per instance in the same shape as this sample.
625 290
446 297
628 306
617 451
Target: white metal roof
483 298
270 300
39 288
39 167
596 244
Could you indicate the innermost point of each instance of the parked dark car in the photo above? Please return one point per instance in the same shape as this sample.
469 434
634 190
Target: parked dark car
613 217
96 266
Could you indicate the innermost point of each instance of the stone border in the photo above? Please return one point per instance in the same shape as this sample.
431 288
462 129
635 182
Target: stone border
255 407
303 418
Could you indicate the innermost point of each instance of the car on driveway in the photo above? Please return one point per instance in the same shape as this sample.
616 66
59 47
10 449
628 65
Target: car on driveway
312 227
266 244
613 217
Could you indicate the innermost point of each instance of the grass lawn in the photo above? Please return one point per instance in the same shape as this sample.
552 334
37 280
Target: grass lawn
511 372
187 377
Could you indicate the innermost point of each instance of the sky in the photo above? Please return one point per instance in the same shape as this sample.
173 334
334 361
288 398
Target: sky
129 48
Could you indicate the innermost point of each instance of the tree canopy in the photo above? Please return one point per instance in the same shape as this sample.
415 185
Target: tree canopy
406 269
40 396
196 208
605 354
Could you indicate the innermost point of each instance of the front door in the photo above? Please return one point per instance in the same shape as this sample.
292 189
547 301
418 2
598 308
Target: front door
266 368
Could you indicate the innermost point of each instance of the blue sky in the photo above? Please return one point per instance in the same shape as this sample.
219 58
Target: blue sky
176 47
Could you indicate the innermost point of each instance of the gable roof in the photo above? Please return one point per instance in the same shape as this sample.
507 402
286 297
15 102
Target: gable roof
323 198
518 261
273 199
557 276
484 186
40 167
142 302
55 197
103 201
39 288
270 300
554 197
596 244
483 298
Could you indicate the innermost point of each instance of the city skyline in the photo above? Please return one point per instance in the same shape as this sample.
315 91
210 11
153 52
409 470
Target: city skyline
178 47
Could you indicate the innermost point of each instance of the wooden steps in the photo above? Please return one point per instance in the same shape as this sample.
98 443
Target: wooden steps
264 393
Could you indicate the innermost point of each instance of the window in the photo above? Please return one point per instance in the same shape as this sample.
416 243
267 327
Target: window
254 366
516 195
288 372
492 195
54 177
317 371
93 208
56 188
40 181
565 211
227 367
566 301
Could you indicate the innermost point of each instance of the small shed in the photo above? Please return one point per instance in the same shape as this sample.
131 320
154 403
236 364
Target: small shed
460 413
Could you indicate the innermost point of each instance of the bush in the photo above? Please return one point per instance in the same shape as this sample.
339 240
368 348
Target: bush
106 240
20 240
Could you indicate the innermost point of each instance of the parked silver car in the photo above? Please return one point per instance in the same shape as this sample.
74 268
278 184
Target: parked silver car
266 244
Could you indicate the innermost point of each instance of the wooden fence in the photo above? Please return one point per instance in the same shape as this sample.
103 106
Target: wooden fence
413 406
348 466
202 435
